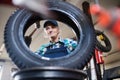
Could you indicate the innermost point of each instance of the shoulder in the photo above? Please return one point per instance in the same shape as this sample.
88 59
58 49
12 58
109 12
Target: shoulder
70 43
68 40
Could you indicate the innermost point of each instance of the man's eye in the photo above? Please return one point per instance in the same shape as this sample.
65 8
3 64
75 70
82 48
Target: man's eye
47 28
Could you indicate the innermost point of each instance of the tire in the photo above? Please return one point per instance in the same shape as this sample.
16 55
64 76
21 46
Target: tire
104 48
50 73
23 57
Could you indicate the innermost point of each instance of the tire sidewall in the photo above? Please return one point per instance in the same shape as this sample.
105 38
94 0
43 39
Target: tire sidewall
24 58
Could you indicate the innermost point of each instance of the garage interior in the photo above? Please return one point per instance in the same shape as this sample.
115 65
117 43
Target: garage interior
111 59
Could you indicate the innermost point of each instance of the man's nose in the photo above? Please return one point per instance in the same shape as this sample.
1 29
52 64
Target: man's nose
50 30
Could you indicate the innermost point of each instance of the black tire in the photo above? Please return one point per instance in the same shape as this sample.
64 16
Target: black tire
104 48
50 73
23 57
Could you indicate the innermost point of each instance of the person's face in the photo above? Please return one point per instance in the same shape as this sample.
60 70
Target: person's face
52 31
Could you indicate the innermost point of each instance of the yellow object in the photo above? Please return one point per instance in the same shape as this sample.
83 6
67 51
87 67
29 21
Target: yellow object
101 37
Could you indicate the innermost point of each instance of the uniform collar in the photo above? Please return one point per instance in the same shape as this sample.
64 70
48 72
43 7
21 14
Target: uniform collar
60 40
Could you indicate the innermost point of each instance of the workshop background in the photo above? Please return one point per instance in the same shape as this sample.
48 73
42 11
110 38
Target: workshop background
7 67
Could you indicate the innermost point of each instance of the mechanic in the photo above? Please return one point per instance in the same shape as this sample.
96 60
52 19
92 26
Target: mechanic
57 47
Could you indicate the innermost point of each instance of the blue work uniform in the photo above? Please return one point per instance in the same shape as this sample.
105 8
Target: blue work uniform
57 49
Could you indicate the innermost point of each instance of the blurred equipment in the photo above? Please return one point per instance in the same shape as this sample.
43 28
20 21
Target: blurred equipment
103 43
39 6
109 19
